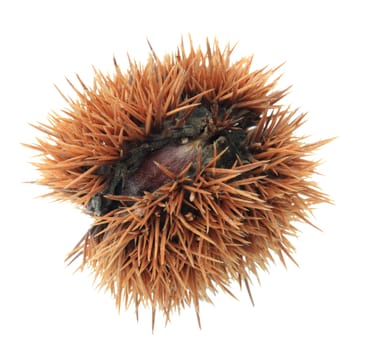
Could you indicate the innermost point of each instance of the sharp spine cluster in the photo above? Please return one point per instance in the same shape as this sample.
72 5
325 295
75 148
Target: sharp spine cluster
192 170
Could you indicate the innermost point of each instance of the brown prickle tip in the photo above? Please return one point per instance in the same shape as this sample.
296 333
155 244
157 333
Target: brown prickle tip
193 171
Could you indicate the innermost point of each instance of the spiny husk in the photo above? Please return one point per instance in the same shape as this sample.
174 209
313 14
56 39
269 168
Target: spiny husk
198 231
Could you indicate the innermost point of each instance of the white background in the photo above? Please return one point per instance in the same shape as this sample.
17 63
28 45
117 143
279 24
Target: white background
43 305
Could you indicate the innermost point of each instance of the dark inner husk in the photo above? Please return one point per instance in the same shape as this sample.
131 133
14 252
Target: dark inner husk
182 140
